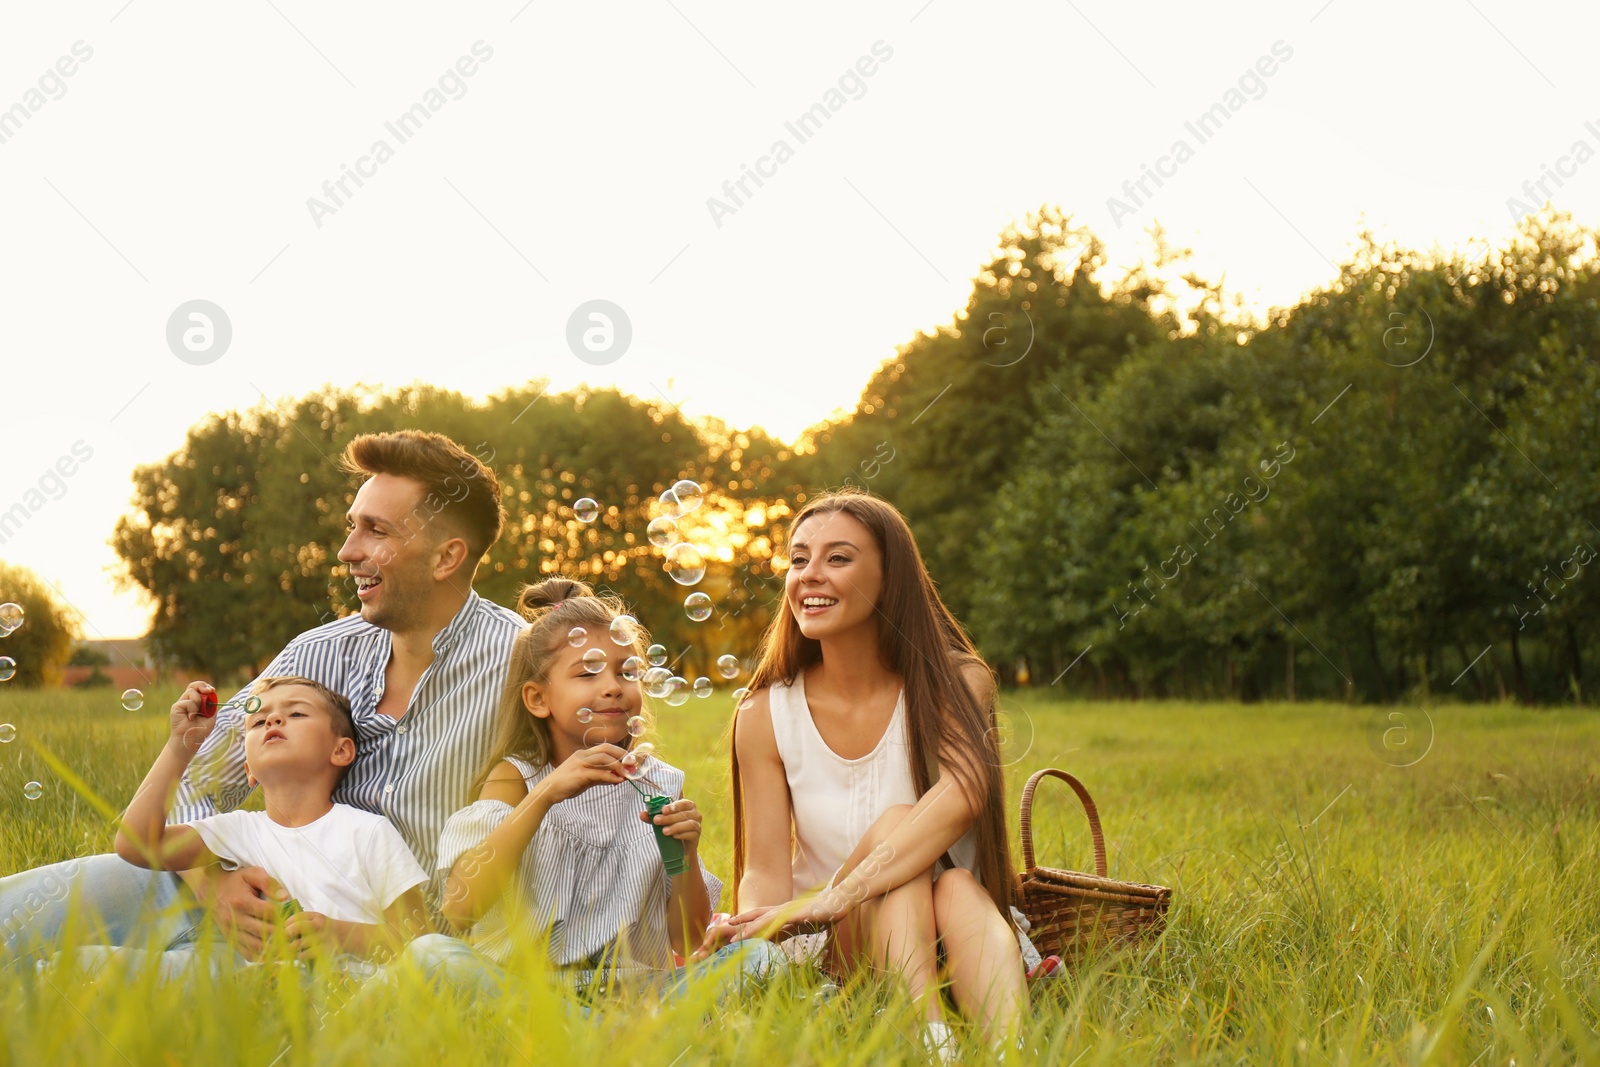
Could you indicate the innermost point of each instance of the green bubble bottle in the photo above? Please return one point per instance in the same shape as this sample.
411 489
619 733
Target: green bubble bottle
671 848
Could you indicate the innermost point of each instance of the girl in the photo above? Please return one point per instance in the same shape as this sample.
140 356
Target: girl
554 845
866 777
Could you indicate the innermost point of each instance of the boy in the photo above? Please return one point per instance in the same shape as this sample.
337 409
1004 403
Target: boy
353 884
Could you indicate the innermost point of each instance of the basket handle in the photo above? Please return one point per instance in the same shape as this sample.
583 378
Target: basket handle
1088 808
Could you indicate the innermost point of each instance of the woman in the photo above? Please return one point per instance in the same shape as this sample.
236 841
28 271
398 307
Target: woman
867 794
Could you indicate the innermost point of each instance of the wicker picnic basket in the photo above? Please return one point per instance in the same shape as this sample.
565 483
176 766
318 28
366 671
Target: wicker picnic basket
1072 913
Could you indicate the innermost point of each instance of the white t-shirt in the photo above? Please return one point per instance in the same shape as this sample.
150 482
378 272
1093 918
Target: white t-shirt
348 865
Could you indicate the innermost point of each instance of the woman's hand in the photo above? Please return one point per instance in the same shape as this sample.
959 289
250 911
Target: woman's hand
783 921
587 767
681 820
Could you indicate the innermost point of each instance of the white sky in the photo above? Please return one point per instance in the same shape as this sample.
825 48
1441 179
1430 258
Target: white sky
585 150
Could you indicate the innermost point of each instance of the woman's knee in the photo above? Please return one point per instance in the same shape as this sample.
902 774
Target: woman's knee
956 890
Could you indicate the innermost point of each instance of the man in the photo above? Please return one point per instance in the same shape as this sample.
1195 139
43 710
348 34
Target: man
422 665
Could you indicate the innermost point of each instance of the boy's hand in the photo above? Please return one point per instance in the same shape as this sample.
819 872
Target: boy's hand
308 931
600 765
194 717
680 820
244 903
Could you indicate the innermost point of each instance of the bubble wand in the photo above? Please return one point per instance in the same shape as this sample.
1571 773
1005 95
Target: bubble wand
671 848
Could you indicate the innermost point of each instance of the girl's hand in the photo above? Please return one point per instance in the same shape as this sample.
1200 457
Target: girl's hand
681 820
190 725
600 765
718 934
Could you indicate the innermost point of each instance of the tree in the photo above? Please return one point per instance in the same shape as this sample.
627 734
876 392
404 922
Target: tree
1359 496
954 408
236 535
89 656
42 644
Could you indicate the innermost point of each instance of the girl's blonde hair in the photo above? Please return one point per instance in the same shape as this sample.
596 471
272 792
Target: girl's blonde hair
552 607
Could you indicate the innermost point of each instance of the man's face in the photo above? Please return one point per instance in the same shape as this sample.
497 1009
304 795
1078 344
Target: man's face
292 735
391 550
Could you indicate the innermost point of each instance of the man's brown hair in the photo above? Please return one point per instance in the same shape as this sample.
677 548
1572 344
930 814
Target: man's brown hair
455 482
344 724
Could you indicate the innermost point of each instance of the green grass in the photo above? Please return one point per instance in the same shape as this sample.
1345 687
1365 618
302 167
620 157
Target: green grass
1329 908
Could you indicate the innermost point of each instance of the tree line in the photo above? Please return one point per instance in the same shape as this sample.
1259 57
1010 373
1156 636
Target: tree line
1123 486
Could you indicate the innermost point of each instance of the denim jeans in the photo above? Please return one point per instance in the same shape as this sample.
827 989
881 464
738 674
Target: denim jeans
456 965
108 900
172 965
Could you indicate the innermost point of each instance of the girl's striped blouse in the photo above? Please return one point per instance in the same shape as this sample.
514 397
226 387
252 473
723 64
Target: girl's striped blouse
592 877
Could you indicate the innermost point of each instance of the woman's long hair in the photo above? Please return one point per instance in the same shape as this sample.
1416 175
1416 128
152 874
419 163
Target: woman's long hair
918 639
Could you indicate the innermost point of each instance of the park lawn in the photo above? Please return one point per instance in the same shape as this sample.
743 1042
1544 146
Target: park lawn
1330 906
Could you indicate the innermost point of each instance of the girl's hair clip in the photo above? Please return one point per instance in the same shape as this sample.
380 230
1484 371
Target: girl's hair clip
557 604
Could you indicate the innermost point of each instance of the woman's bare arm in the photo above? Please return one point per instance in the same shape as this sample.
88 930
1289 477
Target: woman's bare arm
768 872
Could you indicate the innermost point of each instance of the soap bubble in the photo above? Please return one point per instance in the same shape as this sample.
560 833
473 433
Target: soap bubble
624 630
728 666
8 733
656 654
677 691
688 494
585 510
132 700
577 636
252 705
637 726
33 790
662 531
670 506
10 617
8 668
633 668
656 681
594 661
633 763
740 694
702 687
585 714
698 605
686 564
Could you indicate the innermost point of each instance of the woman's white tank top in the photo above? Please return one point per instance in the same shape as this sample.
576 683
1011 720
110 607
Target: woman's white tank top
836 800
